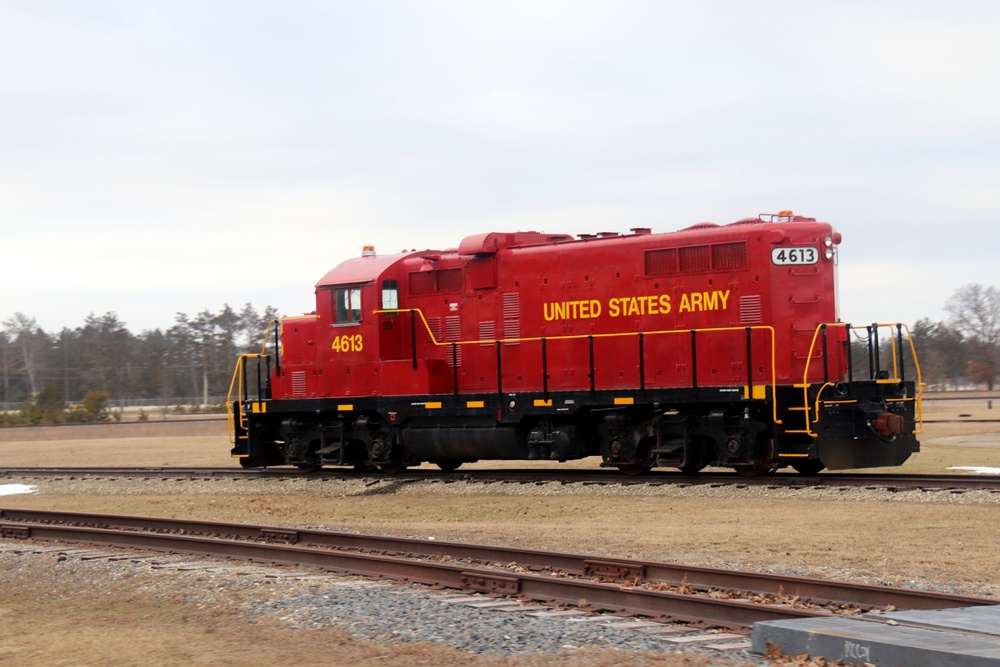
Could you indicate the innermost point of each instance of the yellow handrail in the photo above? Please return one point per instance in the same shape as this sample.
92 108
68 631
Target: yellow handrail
236 384
486 341
806 385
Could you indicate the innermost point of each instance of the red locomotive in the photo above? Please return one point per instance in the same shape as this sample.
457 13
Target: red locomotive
713 345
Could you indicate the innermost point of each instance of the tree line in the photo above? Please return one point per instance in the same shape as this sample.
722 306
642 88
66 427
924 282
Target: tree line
193 360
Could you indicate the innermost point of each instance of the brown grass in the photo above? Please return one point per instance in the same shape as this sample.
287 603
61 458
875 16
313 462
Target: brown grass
893 539
57 621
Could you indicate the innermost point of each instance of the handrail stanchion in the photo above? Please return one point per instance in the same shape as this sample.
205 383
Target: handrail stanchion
545 369
499 374
593 385
902 365
413 337
850 358
826 364
642 366
694 361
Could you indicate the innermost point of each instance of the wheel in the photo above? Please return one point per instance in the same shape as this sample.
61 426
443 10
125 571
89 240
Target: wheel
697 460
764 466
758 470
392 468
448 466
808 467
309 467
634 470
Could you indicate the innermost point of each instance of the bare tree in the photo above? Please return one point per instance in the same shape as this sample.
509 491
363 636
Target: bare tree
975 313
943 353
28 340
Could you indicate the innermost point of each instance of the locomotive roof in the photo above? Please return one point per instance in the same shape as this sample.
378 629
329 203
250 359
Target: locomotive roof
370 266
360 269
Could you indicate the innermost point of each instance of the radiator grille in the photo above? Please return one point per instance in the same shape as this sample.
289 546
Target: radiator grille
694 258
659 262
729 256
717 257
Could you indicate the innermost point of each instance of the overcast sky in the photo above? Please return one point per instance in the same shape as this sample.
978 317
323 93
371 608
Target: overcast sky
159 157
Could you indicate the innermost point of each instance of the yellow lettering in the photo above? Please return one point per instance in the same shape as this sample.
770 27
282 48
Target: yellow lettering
571 310
348 343
702 301
711 301
613 308
665 303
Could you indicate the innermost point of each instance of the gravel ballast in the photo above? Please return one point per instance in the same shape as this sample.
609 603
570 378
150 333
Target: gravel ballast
377 610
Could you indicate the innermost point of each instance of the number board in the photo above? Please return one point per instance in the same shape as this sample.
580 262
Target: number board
789 256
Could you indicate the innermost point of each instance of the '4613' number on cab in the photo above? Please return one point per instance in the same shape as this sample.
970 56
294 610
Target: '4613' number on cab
348 343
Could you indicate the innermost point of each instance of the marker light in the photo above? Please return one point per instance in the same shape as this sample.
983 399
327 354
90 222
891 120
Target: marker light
368 251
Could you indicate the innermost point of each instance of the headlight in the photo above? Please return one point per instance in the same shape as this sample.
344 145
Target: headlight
828 241
828 253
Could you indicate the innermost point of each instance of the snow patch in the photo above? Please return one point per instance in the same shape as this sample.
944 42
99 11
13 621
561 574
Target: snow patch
978 470
14 489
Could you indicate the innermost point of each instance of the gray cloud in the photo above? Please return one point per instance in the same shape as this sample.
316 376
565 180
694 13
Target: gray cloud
164 148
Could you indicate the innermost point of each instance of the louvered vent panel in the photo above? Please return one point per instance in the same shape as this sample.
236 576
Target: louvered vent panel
512 316
434 325
453 332
298 383
487 332
750 309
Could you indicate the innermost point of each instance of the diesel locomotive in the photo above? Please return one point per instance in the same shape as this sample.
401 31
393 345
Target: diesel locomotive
714 345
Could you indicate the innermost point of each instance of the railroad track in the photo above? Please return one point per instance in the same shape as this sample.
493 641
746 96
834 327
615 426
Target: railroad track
702 597
540 476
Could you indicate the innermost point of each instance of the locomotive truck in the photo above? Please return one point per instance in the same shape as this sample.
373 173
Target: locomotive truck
714 345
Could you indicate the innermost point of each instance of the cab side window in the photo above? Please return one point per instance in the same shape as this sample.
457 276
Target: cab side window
347 305
390 295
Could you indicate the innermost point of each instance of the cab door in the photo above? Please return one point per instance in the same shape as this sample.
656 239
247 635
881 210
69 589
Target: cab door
351 341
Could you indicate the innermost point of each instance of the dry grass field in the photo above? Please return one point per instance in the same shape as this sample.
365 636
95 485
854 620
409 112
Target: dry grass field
939 540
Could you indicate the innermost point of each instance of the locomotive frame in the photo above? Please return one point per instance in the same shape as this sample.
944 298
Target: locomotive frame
647 350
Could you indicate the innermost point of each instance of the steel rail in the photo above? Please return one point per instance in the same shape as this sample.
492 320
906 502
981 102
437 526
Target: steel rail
635 575
893 481
596 596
